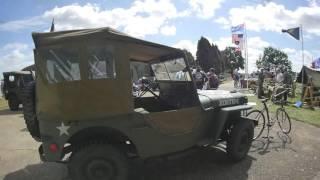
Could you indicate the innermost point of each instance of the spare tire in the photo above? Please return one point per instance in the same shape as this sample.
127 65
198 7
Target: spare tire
29 110
13 103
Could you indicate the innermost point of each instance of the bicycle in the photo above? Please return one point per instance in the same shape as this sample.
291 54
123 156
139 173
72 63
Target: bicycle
281 117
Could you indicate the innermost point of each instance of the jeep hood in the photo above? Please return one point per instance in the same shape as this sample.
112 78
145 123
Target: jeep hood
211 99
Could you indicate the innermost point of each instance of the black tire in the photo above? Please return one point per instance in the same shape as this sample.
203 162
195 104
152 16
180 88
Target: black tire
13 103
283 120
261 120
98 162
240 139
29 110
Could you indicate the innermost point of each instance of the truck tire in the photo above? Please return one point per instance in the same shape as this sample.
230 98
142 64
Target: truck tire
240 139
13 103
29 110
98 161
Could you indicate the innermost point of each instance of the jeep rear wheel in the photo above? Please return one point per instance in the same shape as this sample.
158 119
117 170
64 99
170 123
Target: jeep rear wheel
29 110
98 162
240 139
13 103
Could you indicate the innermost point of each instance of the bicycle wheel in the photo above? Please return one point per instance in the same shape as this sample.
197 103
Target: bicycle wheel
283 120
259 117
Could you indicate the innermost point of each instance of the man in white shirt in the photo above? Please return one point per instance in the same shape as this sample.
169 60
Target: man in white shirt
279 77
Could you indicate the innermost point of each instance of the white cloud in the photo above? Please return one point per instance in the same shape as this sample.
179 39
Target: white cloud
205 8
224 42
295 56
273 17
314 3
255 47
191 46
15 56
288 50
21 24
188 45
143 17
224 22
168 30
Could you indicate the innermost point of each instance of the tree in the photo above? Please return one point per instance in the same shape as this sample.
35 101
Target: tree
232 59
203 54
273 58
208 56
190 57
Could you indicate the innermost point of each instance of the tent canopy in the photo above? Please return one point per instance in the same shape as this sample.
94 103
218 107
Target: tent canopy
309 73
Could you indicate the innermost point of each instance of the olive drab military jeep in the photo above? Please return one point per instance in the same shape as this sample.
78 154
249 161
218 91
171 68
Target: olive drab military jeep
89 118
13 84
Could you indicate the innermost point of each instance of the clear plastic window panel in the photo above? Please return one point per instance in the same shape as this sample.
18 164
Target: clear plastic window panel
174 70
177 70
160 71
101 63
62 65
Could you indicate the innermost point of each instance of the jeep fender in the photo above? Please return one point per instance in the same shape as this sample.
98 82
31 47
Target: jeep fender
227 116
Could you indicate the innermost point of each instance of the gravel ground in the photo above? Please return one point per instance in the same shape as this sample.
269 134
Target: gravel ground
285 157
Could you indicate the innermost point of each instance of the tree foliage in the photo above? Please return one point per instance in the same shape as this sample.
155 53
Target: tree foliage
273 58
232 59
208 56
190 58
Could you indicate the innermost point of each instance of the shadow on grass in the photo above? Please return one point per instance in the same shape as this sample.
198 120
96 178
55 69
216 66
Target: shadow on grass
207 163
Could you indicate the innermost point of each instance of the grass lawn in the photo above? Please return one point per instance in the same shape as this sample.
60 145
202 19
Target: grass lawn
305 114
3 104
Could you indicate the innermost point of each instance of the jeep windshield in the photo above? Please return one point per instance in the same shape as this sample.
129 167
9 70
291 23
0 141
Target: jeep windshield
171 70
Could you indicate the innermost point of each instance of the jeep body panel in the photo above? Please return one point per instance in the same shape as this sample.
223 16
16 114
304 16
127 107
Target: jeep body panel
153 134
73 101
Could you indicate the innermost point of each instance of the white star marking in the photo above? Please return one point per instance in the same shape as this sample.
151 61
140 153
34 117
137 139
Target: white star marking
63 129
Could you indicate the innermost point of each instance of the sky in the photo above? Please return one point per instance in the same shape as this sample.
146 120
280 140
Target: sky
177 23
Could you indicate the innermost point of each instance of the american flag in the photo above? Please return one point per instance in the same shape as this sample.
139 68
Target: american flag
239 29
237 39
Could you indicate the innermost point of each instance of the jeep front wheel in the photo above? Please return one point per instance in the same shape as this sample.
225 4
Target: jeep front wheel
13 103
240 139
98 162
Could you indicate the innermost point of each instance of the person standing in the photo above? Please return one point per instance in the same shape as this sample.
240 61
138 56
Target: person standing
279 77
236 78
199 78
213 80
260 92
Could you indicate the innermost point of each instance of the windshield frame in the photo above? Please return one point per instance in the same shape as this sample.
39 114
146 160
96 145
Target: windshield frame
163 62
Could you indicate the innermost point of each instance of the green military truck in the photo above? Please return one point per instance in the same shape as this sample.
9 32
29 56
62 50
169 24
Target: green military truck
88 117
13 85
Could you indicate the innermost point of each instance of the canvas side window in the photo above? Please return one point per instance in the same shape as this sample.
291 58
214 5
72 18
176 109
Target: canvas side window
62 65
101 63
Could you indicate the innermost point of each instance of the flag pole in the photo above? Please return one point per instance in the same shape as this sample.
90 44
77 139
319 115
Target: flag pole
246 55
302 54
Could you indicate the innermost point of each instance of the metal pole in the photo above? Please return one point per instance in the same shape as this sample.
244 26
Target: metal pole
246 54
302 54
